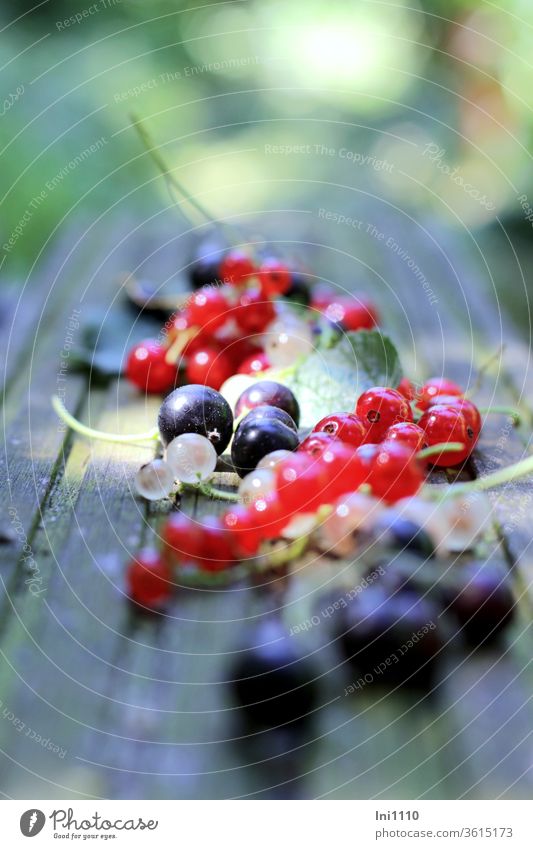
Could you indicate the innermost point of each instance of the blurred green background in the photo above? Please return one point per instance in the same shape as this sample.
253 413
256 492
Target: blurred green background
430 102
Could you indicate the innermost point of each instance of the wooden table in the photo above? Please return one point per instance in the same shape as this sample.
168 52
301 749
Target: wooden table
98 702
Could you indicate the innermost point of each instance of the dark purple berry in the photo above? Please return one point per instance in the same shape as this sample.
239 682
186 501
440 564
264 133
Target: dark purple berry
270 393
255 440
196 409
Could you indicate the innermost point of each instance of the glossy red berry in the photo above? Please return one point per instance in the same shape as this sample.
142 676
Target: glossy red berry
148 579
274 278
238 349
218 546
395 472
300 484
469 410
242 524
254 312
409 434
148 369
209 366
347 427
354 312
447 424
436 386
364 458
315 444
208 309
379 408
407 389
236 268
182 539
254 364
342 469
269 515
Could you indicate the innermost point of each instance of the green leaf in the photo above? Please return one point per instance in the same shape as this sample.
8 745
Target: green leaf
330 380
106 337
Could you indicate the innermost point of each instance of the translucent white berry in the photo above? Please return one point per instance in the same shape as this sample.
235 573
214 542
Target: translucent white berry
466 519
272 460
191 457
351 514
286 341
234 386
259 483
154 480
299 526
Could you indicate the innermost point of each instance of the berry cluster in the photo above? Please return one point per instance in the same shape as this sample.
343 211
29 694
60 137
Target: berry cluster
351 464
237 320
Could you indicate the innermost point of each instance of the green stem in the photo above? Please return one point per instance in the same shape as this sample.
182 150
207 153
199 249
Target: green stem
174 183
506 411
163 167
212 492
432 450
289 553
91 433
502 476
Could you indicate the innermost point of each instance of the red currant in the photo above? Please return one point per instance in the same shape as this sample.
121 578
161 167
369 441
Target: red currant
208 308
364 458
148 369
254 312
300 483
254 364
209 366
236 268
239 349
274 278
395 472
268 515
447 424
344 426
469 410
407 389
436 386
242 524
409 434
379 408
182 539
353 313
342 468
218 546
149 580
315 444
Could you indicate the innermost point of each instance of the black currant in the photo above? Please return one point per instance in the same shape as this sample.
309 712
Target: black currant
395 531
196 409
270 393
482 603
255 440
273 684
267 412
300 289
390 639
205 265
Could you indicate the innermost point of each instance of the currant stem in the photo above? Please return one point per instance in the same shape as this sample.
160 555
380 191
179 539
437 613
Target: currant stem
164 168
212 492
506 411
438 448
289 553
502 476
102 435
